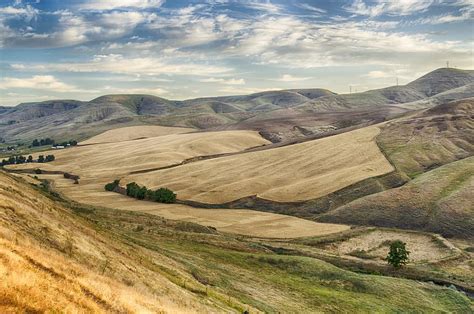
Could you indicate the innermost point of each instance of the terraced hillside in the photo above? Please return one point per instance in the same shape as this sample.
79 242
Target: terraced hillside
90 259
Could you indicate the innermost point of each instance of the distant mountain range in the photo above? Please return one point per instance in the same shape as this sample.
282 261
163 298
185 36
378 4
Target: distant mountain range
278 115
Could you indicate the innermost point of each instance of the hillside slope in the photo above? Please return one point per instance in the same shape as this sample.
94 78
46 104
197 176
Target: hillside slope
84 259
52 260
285 174
434 147
439 201
431 138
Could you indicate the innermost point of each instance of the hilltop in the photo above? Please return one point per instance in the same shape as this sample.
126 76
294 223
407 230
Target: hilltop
278 115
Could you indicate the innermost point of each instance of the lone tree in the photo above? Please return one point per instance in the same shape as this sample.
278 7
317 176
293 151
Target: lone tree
398 254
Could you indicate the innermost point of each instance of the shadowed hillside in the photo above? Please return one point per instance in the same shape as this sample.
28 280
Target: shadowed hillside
437 201
435 147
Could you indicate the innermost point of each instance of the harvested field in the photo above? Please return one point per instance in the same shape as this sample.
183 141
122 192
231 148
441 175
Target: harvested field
133 133
375 244
241 221
111 160
292 173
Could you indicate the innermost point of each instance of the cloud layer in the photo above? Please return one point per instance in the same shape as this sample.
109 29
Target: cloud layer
213 47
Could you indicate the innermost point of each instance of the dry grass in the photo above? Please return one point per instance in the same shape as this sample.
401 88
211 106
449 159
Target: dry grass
133 133
51 260
375 244
292 173
37 280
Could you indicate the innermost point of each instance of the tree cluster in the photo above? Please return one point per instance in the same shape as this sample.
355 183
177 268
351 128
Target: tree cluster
161 195
42 142
48 158
49 141
16 160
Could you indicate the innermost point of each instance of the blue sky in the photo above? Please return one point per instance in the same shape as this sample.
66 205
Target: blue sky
81 49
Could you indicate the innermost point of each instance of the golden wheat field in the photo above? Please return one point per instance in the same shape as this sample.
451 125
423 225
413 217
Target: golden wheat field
116 159
101 163
292 173
240 221
133 133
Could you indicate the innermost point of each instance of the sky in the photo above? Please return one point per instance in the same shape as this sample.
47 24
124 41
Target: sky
176 49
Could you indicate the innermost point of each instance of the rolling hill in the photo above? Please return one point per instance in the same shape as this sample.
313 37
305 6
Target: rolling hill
285 174
291 108
438 201
435 148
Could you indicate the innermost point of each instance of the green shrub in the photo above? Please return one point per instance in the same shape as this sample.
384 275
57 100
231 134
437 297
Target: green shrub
112 185
163 195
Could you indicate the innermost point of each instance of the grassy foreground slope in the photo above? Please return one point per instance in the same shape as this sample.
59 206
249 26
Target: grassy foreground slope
439 201
78 258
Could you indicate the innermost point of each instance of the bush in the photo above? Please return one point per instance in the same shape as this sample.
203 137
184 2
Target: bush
163 195
132 189
112 185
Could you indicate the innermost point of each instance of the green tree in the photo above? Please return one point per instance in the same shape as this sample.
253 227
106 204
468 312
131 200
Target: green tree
35 143
398 254
30 159
164 195
40 158
132 189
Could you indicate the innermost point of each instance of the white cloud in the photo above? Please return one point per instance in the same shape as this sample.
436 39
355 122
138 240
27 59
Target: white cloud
28 12
116 4
311 8
116 63
397 8
119 90
291 78
232 81
42 82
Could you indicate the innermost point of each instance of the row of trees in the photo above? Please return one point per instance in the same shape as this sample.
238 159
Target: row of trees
42 142
16 160
48 141
161 195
